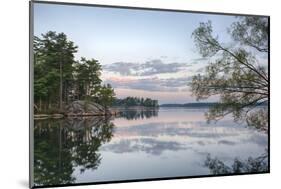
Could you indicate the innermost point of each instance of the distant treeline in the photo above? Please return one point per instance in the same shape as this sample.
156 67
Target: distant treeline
202 104
135 101
195 104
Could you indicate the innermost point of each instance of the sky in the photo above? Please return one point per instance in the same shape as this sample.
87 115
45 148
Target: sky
143 53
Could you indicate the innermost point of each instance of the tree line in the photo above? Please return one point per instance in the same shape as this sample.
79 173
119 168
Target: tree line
60 79
195 104
135 101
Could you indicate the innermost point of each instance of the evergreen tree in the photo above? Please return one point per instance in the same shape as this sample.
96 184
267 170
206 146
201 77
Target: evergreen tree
87 75
106 96
53 68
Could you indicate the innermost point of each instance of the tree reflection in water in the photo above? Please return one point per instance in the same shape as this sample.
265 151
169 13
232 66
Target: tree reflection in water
135 113
61 145
251 165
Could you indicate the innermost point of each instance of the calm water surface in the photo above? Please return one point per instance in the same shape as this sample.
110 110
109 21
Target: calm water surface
170 142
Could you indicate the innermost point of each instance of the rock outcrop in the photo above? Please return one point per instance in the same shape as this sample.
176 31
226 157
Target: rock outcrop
84 108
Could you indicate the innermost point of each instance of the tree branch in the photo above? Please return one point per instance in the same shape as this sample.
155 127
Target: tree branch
250 66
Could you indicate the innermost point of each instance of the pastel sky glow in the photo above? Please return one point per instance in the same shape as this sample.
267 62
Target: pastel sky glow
144 53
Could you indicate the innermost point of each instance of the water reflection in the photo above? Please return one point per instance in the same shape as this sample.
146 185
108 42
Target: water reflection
251 165
148 145
136 113
156 138
139 143
61 145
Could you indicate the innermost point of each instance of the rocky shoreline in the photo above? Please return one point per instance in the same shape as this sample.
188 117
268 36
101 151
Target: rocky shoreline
80 109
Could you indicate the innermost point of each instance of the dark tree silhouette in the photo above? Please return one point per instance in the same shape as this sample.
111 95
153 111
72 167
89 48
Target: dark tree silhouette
251 165
62 145
235 74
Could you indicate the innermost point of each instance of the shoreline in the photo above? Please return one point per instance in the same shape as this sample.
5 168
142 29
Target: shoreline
113 111
61 115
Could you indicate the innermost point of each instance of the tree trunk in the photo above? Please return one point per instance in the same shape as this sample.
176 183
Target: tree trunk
40 104
60 86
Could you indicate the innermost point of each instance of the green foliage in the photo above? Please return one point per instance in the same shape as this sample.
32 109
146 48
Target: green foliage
106 95
234 73
252 32
206 43
52 52
87 75
59 79
135 101
258 119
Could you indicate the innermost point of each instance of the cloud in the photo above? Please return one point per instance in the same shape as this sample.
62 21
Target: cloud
123 68
150 84
226 142
149 68
200 70
163 57
147 145
199 60
201 130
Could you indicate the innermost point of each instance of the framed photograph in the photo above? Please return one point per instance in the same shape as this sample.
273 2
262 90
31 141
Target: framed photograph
126 94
